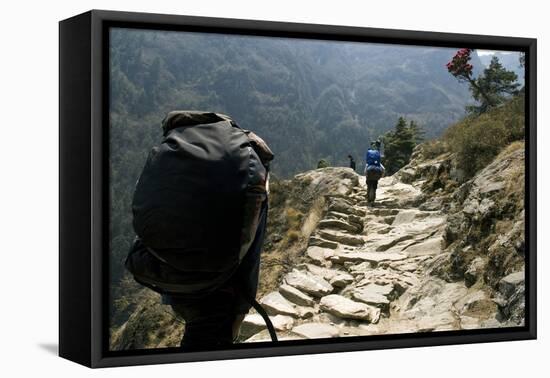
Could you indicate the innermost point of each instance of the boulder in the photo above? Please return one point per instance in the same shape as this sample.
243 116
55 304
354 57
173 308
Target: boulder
392 240
275 304
468 322
475 271
348 309
361 268
337 278
492 187
341 237
514 309
342 206
453 229
380 289
356 220
339 225
296 296
263 336
370 257
254 323
371 297
439 321
431 246
327 318
405 267
336 215
308 283
476 303
432 204
316 330
508 285
319 255
400 281
341 279
326 273
331 181
307 312
251 325
322 243
470 206
374 294
407 174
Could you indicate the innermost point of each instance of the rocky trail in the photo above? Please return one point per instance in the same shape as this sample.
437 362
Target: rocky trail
436 252
367 272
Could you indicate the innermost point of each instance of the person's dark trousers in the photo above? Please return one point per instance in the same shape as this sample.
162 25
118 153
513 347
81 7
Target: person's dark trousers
209 320
373 175
373 184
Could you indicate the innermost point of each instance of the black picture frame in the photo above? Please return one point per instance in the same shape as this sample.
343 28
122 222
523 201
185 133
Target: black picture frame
84 194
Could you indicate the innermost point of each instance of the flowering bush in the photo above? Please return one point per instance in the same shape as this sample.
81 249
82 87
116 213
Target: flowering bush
459 66
490 88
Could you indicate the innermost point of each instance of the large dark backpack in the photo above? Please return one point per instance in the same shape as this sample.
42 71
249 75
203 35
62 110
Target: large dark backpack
197 204
373 157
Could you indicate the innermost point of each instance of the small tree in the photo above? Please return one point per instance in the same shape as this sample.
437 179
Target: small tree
490 88
399 144
323 164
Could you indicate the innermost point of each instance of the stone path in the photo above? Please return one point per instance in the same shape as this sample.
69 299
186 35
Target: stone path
367 272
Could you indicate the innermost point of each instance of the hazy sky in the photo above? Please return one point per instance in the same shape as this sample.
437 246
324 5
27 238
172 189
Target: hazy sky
491 52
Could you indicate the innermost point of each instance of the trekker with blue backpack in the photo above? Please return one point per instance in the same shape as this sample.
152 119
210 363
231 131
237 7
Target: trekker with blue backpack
374 170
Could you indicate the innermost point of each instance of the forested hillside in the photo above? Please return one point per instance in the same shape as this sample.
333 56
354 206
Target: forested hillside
310 100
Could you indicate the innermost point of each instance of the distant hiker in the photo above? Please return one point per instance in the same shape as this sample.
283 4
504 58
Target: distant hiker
351 162
374 170
200 213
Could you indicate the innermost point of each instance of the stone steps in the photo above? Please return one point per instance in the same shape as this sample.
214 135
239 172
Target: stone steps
359 262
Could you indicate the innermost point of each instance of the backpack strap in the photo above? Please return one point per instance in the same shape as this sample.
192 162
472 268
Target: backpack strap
258 307
251 298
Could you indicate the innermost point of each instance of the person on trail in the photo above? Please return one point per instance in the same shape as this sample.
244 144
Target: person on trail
200 215
374 170
351 162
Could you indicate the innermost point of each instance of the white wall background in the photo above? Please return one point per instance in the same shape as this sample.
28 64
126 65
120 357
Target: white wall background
29 186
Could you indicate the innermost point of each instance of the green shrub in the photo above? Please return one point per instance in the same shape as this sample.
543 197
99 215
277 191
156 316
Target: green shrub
434 148
323 164
479 138
293 236
294 218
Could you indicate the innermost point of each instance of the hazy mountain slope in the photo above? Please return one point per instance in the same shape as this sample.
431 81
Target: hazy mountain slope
308 99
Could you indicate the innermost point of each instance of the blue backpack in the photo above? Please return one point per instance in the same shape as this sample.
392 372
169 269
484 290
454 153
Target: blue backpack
373 157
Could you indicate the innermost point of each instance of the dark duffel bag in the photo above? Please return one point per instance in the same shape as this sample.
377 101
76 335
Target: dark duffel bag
197 203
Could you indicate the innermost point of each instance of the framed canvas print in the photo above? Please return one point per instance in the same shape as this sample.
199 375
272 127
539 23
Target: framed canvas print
234 188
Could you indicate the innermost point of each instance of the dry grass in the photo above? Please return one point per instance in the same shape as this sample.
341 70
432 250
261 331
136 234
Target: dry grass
294 219
477 140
